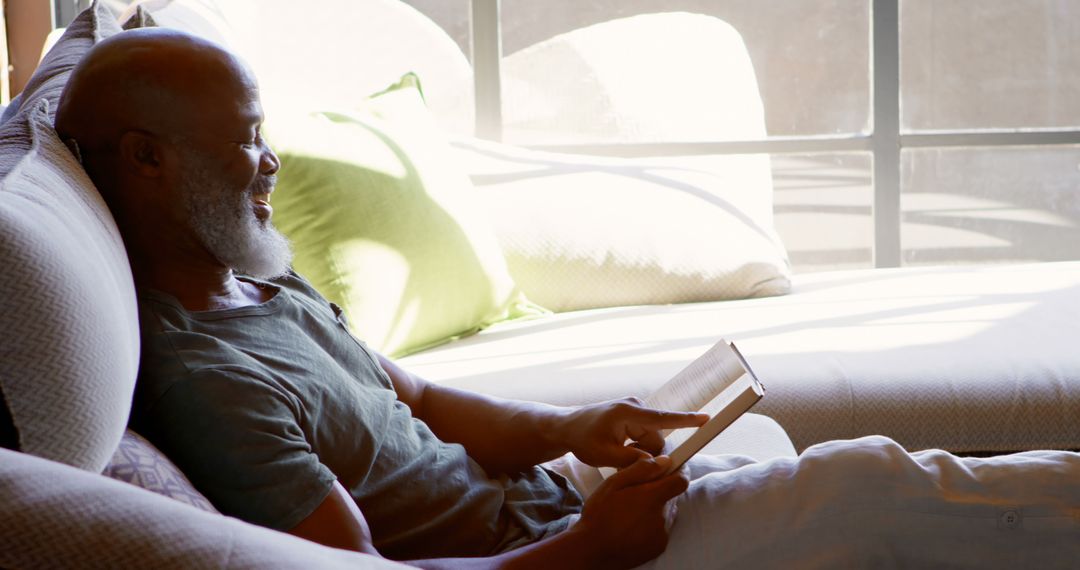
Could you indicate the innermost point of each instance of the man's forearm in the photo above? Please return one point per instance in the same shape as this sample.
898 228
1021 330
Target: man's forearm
508 435
501 435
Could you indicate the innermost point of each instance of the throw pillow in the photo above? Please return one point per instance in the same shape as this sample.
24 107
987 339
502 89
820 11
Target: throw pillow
385 225
53 516
70 336
582 232
139 463
141 18
47 82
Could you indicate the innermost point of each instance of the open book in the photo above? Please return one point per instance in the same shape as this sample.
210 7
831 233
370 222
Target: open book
719 383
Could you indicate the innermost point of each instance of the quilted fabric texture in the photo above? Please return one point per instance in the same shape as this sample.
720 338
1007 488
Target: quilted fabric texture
138 462
53 516
582 232
88 28
70 337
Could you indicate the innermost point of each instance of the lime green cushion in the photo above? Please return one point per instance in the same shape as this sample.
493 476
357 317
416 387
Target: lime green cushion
384 224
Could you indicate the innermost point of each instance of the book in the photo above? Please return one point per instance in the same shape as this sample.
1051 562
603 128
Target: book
719 383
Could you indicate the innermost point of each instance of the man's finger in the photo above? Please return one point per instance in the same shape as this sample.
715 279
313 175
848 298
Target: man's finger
626 455
666 487
667 419
651 441
642 471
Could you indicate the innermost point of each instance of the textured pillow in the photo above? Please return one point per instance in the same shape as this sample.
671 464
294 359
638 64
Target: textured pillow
88 28
69 335
140 18
581 232
53 516
139 463
384 224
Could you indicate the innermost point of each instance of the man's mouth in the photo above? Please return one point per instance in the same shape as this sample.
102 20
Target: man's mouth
261 204
260 196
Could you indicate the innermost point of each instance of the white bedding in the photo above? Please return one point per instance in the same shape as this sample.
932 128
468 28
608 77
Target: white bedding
965 359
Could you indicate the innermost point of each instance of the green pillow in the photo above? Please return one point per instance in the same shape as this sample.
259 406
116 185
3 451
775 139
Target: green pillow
384 223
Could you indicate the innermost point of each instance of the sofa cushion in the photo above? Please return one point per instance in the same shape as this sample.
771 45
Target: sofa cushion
582 232
47 82
139 463
384 224
54 516
70 346
958 358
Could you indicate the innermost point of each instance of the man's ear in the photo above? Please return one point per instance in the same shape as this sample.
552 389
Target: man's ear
141 152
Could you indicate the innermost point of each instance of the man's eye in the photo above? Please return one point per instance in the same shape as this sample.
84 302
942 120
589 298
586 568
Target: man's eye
254 141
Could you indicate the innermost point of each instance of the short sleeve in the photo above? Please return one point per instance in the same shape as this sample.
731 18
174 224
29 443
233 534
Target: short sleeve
239 439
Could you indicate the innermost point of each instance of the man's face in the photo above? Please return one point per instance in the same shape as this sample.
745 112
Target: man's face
225 176
232 222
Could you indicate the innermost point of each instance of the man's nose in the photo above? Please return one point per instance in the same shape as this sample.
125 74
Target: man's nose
269 162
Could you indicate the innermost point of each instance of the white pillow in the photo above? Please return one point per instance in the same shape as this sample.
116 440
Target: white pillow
650 77
332 53
69 349
582 232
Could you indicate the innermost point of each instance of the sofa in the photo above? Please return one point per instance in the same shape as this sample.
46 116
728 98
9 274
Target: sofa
558 278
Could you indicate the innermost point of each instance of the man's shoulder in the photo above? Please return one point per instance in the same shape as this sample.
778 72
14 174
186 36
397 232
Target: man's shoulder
170 333
177 344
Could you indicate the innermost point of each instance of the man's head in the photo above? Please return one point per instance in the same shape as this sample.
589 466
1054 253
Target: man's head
168 128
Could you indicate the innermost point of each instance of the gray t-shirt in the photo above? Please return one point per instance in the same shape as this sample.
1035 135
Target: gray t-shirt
264 406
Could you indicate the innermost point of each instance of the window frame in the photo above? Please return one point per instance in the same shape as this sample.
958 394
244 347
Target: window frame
885 142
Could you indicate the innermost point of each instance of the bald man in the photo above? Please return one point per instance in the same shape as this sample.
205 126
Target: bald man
251 382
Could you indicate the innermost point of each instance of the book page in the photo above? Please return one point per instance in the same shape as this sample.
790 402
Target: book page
700 382
719 383
723 411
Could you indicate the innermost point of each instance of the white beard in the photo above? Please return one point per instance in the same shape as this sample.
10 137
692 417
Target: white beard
225 223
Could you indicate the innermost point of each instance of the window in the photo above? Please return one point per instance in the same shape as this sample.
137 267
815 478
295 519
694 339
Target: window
901 132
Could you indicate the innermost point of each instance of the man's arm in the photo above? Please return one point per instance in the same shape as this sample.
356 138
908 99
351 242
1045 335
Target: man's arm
624 523
509 436
337 522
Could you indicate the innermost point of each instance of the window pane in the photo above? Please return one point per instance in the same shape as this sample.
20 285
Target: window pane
623 73
976 205
978 64
823 209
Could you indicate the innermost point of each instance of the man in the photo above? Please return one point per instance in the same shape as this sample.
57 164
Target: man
252 383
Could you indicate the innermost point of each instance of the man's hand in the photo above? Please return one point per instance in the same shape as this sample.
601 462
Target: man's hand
628 517
624 524
597 434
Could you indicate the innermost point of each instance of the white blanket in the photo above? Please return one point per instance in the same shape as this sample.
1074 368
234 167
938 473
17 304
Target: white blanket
868 504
